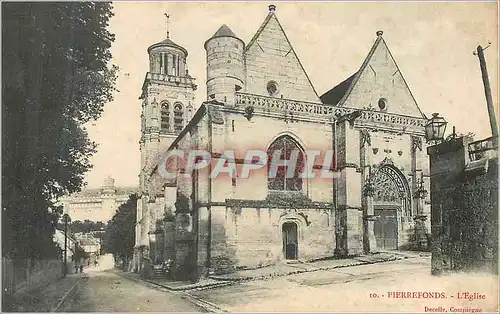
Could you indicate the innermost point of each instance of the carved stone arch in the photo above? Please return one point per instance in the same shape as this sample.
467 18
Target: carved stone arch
178 106
295 218
391 187
165 115
165 104
292 135
178 116
280 180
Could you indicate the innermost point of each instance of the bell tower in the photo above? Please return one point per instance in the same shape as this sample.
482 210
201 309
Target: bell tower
167 96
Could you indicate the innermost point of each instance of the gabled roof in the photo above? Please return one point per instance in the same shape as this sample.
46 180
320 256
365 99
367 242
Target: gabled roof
261 28
363 67
340 93
334 95
270 16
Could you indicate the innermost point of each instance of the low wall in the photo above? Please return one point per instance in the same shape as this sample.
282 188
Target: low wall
20 276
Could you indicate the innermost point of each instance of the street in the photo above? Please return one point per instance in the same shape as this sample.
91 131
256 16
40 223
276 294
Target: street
398 286
367 288
105 291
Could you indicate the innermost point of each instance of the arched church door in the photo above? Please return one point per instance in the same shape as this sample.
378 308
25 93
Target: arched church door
290 240
386 229
390 204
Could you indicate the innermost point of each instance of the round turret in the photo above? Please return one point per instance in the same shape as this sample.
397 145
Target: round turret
225 65
108 186
167 57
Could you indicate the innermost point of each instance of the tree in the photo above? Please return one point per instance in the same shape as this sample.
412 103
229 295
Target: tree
119 236
86 226
55 78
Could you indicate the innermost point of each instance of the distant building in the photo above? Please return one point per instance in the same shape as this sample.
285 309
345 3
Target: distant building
97 204
89 243
71 243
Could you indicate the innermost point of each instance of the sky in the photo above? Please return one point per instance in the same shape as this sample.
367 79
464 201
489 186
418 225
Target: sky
432 43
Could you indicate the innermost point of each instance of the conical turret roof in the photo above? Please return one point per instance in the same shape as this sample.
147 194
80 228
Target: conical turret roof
223 31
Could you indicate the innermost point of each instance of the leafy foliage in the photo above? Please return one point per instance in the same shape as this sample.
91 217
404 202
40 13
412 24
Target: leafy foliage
86 226
471 236
119 236
56 78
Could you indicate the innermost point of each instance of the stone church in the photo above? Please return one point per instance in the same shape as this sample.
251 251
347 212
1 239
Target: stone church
259 96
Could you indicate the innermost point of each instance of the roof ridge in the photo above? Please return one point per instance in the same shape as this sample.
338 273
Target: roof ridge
361 69
404 80
377 42
259 31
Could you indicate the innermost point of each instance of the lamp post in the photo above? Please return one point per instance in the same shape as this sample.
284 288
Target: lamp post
435 128
434 132
65 269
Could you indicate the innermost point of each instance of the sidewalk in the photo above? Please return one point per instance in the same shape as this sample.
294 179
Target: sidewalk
278 270
45 299
291 268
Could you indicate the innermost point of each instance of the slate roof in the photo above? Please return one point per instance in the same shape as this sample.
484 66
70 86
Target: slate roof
167 42
334 95
223 31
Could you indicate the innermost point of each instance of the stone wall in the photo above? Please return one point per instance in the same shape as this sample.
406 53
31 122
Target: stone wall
464 194
251 237
225 68
19 276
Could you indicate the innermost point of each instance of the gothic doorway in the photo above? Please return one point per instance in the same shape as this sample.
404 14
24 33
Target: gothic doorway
391 205
290 240
386 229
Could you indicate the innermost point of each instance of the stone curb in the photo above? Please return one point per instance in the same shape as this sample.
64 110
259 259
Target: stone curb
300 271
68 294
230 281
207 306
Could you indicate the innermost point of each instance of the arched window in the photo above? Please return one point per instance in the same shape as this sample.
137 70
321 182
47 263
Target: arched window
178 117
283 181
165 117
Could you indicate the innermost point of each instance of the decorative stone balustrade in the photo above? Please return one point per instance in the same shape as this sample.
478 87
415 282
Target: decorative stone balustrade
326 112
170 78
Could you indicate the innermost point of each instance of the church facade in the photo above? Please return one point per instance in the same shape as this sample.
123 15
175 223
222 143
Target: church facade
259 97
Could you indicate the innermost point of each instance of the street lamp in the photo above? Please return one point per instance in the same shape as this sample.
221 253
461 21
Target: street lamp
435 127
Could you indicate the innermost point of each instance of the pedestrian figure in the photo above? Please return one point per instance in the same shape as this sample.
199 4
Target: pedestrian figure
96 263
76 269
81 269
